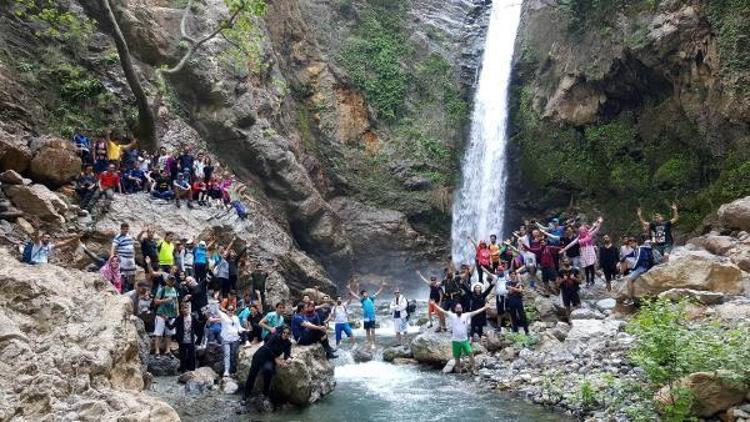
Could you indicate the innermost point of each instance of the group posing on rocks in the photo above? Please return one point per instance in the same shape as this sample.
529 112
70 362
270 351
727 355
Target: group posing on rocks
553 258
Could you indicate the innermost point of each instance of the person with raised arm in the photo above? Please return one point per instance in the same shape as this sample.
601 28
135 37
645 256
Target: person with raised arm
660 230
436 295
368 310
459 323
498 280
483 257
587 241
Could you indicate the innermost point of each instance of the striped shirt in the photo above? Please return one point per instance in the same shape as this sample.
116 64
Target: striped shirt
125 249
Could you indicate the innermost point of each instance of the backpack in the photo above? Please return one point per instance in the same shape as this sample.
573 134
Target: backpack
82 142
28 247
411 307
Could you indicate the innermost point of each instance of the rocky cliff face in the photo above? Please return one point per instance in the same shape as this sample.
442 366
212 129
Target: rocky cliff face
625 103
69 348
306 117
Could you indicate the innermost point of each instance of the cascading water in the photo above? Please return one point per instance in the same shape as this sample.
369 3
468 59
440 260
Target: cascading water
479 205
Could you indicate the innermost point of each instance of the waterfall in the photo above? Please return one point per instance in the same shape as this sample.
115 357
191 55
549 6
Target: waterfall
479 204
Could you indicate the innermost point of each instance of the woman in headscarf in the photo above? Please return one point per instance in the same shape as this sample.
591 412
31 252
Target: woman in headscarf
111 272
587 241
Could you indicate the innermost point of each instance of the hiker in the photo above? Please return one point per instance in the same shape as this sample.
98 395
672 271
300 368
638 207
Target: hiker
478 300
265 361
660 230
608 260
368 310
436 295
586 240
340 316
398 312
569 281
123 246
459 323
41 248
273 321
514 304
645 258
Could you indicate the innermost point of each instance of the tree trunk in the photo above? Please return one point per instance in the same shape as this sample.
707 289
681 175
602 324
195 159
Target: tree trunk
146 123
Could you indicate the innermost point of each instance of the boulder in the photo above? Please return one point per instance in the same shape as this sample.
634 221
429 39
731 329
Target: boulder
711 392
11 177
704 297
585 329
64 356
362 353
14 154
432 348
163 366
736 214
203 375
545 308
586 313
306 379
696 270
736 310
55 162
212 356
606 305
229 386
392 353
493 342
39 201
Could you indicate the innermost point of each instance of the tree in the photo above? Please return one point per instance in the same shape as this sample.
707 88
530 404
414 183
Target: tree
234 29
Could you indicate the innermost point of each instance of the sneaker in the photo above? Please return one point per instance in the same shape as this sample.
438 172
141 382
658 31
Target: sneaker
190 205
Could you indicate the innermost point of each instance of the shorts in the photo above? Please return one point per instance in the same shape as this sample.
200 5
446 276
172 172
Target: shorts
431 309
160 327
369 325
461 348
664 249
500 304
399 325
342 327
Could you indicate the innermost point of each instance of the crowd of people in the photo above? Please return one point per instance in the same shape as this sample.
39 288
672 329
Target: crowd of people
114 166
553 258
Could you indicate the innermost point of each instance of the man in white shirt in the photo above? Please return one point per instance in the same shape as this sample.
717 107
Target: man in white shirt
340 316
398 311
459 324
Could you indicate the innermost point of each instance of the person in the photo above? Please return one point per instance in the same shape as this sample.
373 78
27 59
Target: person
111 272
182 190
660 230
340 316
198 166
86 186
398 312
141 299
459 323
188 258
266 359
148 246
314 331
627 254
646 258
483 256
133 180
166 302
221 270
574 251
200 261
298 317
368 311
554 231
529 264
230 339
477 300
498 281
115 149
249 317
514 304
608 259
123 246
259 277
185 326
436 294
165 248
547 257
586 240
42 247
161 187
569 281
273 321
495 252
452 290
108 182
230 300
199 191
186 161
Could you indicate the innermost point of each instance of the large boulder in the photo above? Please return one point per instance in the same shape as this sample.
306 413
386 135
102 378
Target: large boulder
14 154
55 162
163 366
711 392
432 348
392 353
64 356
689 269
38 201
585 329
736 214
306 379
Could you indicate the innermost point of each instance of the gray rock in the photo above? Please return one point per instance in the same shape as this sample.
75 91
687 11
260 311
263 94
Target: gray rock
586 313
362 353
163 366
392 353
606 305
11 177
704 297
229 386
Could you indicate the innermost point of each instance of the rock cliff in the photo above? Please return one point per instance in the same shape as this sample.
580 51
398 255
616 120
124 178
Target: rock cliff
69 348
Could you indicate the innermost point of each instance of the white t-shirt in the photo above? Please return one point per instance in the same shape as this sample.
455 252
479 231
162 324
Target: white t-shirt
459 326
230 327
40 253
340 314
500 288
529 259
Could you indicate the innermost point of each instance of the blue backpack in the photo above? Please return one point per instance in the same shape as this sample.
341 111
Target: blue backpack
82 142
27 248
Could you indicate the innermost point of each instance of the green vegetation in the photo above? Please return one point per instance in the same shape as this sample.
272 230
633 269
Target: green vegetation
436 83
244 36
669 347
585 14
731 22
54 21
373 57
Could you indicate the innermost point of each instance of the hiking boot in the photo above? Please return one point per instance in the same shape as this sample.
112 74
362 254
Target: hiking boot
190 205
331 355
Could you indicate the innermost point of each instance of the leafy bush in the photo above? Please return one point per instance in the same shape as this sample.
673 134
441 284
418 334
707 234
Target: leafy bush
669 347
677 173
731 22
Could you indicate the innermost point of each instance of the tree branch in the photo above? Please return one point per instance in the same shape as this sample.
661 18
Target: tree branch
183 23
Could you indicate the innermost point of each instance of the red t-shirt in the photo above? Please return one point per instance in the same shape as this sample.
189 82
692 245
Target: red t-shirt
109 180
199 186
483 256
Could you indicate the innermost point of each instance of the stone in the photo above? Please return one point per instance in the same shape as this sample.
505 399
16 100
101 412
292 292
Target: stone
696 270
493 342
392 353
432 348
585 329
405 361
211 356
737 310
306 379
362 353
736 214
606 305
704 297
545 308
14 154
25 225
38 201
163 366
711 392
449 366
204 375
62 354
55 162
585 313
11 214
11 177
229 386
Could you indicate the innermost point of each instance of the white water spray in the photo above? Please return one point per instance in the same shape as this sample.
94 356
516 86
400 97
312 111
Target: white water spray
479 205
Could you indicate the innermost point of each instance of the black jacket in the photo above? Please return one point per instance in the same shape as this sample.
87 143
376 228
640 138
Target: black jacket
179 327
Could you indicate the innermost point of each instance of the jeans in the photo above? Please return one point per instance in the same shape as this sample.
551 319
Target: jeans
187 357
517 316
230 349
342 327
